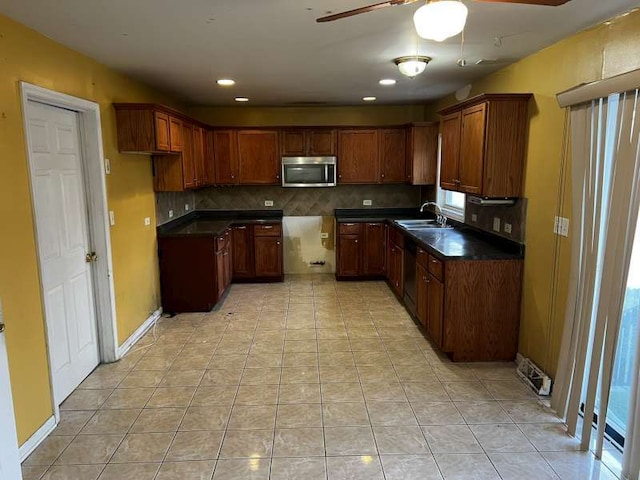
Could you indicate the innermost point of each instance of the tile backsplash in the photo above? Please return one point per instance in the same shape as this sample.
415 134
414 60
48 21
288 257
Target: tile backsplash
307 201
484 217
173 201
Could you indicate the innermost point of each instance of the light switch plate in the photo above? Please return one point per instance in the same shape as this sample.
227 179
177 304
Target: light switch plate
107 166
507 228
474 217
112 218
170 213
186 207
367 203
561 226
268 203
147 221
496 224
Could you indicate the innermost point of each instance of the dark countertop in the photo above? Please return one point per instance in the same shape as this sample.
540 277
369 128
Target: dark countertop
215 222
459 243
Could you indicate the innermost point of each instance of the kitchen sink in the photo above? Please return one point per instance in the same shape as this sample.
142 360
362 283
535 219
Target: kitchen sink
420 224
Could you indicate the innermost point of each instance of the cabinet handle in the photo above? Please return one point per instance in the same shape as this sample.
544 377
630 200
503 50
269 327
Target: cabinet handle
382 175
241 228
267 227
374 224
435 261
277 243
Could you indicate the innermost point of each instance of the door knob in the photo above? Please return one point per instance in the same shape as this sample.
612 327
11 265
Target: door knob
2 327
91 257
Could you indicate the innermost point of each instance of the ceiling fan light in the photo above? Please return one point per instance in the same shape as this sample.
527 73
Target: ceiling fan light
413 65
439 20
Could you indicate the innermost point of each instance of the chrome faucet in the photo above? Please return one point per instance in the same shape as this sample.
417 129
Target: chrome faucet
441 219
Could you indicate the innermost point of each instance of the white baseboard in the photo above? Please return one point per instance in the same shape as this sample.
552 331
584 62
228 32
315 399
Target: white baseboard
36 439
137 335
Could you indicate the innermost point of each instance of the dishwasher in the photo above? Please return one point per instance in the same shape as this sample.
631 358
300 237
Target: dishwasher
410 285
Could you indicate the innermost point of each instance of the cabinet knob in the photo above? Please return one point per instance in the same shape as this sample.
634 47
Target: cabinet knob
277 243
382 175
356 241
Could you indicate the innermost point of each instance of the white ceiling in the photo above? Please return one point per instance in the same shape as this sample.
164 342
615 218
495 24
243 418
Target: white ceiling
279 55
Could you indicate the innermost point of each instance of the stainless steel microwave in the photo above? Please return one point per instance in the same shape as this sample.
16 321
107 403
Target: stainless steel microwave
309 171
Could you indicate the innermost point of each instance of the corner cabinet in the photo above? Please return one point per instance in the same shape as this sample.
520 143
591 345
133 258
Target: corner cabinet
257 252
147 128
483 145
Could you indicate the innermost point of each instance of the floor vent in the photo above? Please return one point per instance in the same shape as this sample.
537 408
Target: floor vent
533 376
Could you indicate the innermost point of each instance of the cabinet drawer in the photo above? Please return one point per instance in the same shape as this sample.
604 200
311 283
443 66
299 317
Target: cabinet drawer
274 230
422 257
436 267
349 228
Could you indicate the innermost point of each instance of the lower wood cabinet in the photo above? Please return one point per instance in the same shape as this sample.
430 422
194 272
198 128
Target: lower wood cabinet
361 250
257 252
395 275
242 252
268 254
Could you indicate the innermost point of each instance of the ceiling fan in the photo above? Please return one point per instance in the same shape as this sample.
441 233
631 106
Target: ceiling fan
394 3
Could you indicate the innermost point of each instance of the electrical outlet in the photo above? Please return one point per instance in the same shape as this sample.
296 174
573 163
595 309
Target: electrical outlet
561 226
507 228
268 203
147 221
186 207
170 213
496 224
474 217
324 235
367 203
112 218
107 166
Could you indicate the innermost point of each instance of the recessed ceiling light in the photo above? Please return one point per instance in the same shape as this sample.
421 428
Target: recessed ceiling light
387 81
226 82
242 99
369 99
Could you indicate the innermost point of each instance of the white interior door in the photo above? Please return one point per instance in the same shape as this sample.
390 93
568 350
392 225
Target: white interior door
63 243
9 456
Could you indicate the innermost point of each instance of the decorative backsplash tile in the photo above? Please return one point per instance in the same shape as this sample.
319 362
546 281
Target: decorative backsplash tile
307 201
174 201
515 215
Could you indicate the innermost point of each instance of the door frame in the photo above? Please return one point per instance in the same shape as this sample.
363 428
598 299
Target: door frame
90 133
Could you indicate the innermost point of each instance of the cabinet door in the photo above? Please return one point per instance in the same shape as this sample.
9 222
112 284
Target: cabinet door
435 309
220 273
258 157
321 142
450 156
393 154
358 156
422 282
242 249
175 134
162 131
268 256
225 156
292 143
373 249
422 154
198 157
208 161
472 148
188 163
399 271
349 255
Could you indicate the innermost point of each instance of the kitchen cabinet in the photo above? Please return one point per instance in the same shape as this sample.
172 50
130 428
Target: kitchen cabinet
258 157
422 294
242 238
483 145
224 145
147 128
223 262
393 153
361 250
422 153
358 156
435 317
395 260
302 142
267 241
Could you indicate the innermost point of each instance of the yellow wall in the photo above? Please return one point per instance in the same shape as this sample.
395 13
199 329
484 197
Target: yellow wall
598 53
316 116
28 56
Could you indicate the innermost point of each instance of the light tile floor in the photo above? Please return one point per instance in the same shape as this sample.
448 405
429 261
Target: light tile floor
308 379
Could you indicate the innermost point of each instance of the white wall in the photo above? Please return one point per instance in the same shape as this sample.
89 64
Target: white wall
303 244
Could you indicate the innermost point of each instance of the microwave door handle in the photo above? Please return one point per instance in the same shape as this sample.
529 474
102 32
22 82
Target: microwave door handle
326 173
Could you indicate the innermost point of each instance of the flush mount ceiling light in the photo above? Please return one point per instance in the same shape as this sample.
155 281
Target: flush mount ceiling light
241 99
412 65
440 19
226 82
387 81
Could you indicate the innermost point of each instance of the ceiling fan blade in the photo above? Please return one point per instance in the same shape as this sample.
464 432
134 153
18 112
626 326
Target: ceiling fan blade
369 8
549 3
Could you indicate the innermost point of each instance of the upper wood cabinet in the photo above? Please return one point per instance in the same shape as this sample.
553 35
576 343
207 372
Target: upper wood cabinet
300 142
146 128
483 145
392 150
258 159
224 145
422 153
358 156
